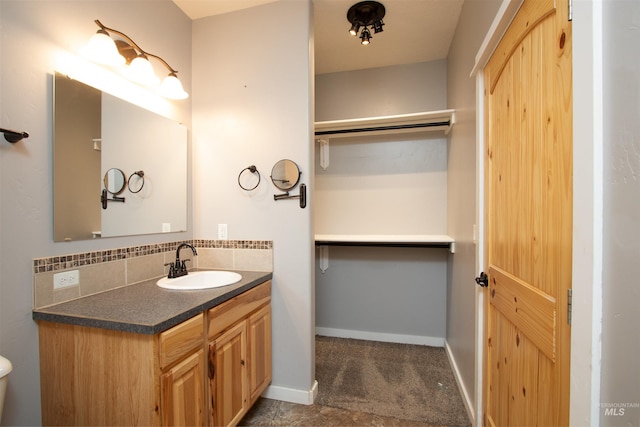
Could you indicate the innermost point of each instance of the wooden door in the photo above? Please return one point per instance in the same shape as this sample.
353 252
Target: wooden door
259 344
228 376
183 393
528 219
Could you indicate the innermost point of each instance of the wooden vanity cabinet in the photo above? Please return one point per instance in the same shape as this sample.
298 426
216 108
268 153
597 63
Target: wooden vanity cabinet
92 376
96 377
239 354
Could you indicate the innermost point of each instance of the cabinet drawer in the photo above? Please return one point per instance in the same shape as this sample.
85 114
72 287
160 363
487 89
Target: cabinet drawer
226 314
177 341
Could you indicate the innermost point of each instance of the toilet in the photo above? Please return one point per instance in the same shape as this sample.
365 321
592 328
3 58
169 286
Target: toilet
5 368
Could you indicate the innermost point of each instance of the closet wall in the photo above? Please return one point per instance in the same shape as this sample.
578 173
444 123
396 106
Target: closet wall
382 184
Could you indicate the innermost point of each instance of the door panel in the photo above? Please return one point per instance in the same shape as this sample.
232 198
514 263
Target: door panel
228 385
183 393
528 218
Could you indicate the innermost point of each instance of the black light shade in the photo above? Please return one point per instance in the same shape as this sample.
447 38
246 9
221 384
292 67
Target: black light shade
363 15
377 26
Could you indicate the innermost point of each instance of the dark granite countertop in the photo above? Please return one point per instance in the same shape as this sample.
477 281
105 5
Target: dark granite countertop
144 308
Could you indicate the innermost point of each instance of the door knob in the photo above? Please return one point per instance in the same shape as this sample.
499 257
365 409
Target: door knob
482 280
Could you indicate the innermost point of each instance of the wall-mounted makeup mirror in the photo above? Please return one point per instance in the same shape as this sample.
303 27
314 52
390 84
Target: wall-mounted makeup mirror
285 174
114 181
94 133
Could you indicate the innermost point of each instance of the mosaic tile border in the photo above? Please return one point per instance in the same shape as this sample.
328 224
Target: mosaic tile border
61 262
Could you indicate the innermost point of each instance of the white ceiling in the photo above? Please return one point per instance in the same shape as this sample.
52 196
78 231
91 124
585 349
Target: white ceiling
414 31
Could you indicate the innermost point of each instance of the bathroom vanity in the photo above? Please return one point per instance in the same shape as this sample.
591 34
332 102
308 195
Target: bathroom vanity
143 355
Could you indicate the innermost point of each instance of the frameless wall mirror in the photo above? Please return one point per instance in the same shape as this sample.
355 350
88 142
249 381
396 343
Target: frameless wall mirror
96 134
285 174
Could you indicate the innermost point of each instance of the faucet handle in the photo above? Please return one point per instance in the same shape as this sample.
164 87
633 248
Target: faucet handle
172 270
183 265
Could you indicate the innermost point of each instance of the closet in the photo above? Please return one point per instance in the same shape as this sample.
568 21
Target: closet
380 221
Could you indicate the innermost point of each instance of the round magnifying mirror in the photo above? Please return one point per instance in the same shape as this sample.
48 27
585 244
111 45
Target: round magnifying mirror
114 181
285 174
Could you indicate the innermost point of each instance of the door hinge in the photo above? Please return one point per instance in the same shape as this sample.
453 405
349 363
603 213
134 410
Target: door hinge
569 305
570 10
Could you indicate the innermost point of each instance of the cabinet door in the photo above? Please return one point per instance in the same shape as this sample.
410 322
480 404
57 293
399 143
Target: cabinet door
228 376
259 352
183 390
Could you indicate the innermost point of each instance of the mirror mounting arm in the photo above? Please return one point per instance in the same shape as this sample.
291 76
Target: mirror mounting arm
302 196
104 199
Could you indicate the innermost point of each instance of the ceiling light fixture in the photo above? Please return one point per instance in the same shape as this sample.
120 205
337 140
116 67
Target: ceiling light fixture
104 49
363 15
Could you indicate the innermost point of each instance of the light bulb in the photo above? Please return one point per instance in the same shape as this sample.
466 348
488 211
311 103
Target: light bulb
102 49
365 36
172 88
141 71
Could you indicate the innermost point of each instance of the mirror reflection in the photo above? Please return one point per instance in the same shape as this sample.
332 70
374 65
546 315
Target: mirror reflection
285 174
100 137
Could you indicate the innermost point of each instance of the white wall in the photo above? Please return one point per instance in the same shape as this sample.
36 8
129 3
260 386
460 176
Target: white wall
475 18
621 293
383 184
33 36
252 106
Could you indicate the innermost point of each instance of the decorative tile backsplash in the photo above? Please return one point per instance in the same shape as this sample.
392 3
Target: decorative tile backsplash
62 262
100 271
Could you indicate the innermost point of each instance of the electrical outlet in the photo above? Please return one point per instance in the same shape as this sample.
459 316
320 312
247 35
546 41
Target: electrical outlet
222 232
66 278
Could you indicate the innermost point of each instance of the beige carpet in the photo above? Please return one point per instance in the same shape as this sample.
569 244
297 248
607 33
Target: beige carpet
409 382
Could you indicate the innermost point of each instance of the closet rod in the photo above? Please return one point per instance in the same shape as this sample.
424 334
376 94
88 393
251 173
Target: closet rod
381 128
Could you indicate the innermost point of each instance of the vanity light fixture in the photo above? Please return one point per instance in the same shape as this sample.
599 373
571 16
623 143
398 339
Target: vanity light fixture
104 49
364 15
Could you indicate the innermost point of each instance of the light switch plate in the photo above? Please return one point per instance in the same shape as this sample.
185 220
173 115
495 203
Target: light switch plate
222 232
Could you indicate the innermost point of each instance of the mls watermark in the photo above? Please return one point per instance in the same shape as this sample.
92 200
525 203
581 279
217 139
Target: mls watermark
618 409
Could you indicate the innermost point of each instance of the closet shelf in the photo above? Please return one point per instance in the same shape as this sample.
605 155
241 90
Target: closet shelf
416 122
392 240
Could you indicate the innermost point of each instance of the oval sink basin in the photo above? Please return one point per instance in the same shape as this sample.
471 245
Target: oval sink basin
200 280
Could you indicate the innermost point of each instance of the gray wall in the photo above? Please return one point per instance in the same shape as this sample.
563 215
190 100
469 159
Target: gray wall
621 291
34 35
475 19
384 91
383 293
254 106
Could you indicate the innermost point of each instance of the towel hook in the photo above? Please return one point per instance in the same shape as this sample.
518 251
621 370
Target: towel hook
13 136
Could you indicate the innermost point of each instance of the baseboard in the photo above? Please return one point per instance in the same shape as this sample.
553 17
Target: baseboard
379 336
302 397
465 395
